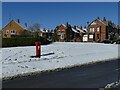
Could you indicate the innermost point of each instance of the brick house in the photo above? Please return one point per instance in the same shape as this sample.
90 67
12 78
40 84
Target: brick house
61 32
46 33
99 30
69 33
12 29
78 33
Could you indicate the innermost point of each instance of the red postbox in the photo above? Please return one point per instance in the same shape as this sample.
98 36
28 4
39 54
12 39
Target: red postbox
38 49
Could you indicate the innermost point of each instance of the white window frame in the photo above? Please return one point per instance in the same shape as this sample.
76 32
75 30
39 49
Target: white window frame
11 31
91 36
92 30
7 31
58 30
62 36
98 29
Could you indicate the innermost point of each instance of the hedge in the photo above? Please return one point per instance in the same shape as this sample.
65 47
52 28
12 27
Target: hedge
23 41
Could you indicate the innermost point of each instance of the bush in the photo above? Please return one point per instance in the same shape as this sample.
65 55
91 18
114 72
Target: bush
118 41
107 41
23 41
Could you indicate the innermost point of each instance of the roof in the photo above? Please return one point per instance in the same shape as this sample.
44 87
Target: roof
44 30
103 22
15 22
79 29
74 30
85 29
19 24
63 25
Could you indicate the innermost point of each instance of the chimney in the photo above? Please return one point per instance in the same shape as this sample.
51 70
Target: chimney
98 18
74 27
67 24
104 19
44 30
87 22
18 21
81 27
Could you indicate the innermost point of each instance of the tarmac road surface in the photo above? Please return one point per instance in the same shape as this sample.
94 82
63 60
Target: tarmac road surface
90 76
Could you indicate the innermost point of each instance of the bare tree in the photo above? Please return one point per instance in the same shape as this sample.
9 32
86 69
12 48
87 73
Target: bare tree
26 25
30 29
35 29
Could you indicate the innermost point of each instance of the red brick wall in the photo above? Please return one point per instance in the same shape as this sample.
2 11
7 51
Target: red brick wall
59 30
101 34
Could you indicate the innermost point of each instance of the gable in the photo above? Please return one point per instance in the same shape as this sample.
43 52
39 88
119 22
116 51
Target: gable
94 23
61 27
13 26
97 22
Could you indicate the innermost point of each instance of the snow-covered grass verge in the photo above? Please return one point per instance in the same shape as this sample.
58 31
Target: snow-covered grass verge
16 61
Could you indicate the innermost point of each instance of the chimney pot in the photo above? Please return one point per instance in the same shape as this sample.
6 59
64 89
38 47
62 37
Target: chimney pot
104 19
18 20
80 27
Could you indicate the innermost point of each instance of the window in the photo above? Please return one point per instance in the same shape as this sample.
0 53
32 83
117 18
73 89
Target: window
91 30
98 29
7 31
63 31
91 36
12 31
58 30
62 36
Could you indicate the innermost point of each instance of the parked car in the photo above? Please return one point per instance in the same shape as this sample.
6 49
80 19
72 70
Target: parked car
107 41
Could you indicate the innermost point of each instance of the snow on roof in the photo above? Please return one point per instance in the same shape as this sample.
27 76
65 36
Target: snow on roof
101 22
42 30
85 29
64 25
79 29
26 28
74 30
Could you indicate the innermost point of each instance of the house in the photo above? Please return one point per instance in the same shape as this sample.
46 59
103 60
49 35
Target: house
46 33
61 32
78 33
99 30
69 33
12 29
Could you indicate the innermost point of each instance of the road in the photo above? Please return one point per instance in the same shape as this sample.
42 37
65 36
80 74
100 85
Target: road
90 76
